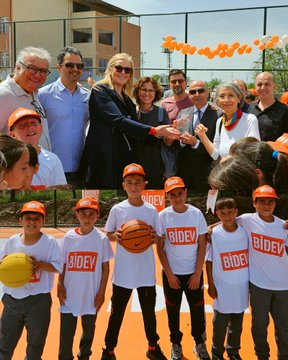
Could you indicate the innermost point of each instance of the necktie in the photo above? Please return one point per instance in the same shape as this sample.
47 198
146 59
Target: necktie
196 120
199 113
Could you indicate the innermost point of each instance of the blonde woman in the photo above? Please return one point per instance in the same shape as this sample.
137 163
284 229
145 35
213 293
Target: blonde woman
114 129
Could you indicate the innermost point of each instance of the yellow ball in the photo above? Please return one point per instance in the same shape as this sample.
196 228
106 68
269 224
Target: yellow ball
16 270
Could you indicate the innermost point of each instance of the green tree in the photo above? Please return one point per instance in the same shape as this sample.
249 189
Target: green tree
276 62
213 83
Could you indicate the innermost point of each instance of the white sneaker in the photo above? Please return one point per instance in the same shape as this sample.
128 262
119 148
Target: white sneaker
176 352
201 352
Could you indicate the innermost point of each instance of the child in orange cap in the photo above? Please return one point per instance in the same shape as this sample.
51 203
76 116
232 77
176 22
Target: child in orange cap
268 270
81 287
29 305
132 271
181 251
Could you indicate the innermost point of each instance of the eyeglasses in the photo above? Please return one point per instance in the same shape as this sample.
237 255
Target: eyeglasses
199 91
119 69
70 65
180 81
34 70
149 91
38 108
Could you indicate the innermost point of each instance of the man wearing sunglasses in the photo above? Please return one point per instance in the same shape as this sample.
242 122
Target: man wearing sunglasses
20 89
180 99
65 102
194 163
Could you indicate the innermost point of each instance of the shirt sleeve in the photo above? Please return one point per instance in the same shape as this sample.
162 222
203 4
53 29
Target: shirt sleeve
209 252
252 127
216 141
111 222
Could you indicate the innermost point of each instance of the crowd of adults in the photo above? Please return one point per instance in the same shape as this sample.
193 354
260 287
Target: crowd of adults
70 136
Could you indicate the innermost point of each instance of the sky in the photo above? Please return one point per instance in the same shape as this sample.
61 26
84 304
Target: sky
169 6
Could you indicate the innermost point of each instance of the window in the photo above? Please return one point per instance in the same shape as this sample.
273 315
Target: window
4 25
80 7
102 65
4 59
106 37
82 35
88 63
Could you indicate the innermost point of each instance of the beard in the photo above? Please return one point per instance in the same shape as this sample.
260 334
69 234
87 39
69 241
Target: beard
178 90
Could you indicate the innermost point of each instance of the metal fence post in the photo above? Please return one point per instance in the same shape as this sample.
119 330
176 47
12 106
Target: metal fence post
264 33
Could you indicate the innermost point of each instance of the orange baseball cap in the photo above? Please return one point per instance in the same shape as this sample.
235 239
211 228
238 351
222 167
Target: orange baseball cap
133 169
264 191
284 98
87 203
281 144
173 182
34 206
19 114
253 91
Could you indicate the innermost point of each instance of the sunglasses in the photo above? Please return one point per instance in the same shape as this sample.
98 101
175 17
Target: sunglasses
199 91
180 81
119 69
70 65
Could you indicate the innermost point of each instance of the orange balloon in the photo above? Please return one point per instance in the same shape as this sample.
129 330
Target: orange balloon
261 47
192 50
172 45
169 38
256 42
248 49
275 38
216 52
270 44
224 46
206 50
243 46
200 52
230 52
240 51
210 56
179 46
165 44
235 45
222 54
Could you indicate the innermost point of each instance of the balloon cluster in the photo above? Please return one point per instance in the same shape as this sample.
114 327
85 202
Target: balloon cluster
224 49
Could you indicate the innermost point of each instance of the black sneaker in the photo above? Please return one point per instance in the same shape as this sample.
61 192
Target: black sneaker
156 354
108 355
201 352
176 352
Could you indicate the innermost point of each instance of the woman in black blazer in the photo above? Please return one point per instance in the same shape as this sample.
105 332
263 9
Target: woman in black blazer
114 130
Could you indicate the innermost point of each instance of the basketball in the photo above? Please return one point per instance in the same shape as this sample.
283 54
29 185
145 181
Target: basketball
136 236
16 270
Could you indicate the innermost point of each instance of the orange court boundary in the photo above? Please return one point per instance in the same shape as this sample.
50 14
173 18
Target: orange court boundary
132 344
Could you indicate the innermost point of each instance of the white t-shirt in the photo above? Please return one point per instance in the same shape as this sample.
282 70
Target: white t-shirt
247 126
229 255
45 249
133 270
268 261
83 256
181 237
50 172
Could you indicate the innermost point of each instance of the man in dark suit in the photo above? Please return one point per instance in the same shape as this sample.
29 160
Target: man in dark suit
194 163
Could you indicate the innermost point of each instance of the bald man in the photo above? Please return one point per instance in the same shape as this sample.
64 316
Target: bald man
272 114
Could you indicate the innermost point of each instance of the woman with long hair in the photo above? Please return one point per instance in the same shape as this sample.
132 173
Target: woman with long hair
114 129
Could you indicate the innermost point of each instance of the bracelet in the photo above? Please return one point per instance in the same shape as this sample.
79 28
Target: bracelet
152 131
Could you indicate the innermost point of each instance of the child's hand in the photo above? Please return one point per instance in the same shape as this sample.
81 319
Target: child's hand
36 265
194 282
99 301
117 235
212 291
174 282
61 293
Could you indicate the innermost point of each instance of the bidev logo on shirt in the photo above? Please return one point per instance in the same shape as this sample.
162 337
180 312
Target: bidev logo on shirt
267 245
182 235
234 260
82 261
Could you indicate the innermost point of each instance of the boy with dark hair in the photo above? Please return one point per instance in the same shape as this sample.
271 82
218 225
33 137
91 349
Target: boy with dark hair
82 285
29 305
133 271
181 251
268 270
228 279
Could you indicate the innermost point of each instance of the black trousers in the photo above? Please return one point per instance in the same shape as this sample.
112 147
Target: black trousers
195 299
119 300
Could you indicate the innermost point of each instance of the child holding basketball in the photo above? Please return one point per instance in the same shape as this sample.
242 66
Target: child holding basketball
132 271
82 285
268 272
181 251
29 305
228 279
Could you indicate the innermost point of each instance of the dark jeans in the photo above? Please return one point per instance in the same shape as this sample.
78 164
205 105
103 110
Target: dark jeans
33 313
119 300
230 324
67 332
195 300
262 303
